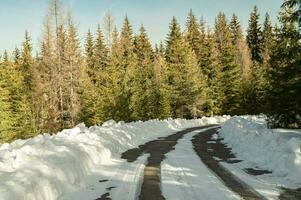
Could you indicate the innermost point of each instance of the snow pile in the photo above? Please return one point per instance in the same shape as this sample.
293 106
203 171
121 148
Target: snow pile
48 167
259 147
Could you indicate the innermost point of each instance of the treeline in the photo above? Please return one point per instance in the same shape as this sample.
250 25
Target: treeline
197 71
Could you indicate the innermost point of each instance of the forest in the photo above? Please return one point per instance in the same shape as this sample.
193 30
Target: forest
198 70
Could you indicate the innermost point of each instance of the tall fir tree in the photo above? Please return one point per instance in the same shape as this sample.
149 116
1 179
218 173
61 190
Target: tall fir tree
254 36
285 74
193 35
230 76
267 39
123 63
143 98
185 79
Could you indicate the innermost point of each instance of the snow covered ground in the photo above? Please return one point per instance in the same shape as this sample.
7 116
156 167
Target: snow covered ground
276 150
82 163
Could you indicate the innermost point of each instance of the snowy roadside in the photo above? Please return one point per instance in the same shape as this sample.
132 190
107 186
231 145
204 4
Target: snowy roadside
260 148
71 163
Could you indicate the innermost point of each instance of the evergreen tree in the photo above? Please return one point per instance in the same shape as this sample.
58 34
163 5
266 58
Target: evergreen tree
193 35
7 118
285 74
230 76
17 57
123 63
15 112
267 39
89 53
212 73
162 101
254 36
143 92
100 51
242 52
27 62
95 94
294 12
74 73
185 80
5 56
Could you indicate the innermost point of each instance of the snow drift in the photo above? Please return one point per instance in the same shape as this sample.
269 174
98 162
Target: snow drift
276 150
47 167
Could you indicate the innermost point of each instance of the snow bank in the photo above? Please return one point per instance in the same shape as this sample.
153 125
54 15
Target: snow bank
47 167
259 147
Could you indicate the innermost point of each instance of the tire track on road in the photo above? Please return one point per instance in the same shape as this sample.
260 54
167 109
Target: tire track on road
207 151
151 186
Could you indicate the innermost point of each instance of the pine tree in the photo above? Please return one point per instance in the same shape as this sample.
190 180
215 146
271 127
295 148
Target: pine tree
254 36
285 74
5 56
27 62
162 101
143 92
212 73
89 53
123 63
17 56
100 52
242 52
74 73
267 39
294 12
7 118
230 76
193 35
95 94
185 80
15 112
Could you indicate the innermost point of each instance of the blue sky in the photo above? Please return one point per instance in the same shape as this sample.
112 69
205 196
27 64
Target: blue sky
18 15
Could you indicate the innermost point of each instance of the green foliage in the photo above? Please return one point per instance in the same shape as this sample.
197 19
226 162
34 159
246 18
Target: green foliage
230 72
254 36
285 73
15 112
185 80
196 72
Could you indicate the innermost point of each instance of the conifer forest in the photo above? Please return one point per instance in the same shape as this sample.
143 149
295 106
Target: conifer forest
199 69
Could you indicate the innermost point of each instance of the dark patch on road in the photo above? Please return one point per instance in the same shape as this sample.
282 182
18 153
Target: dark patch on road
221 151
151 186
257 172
105 196
104 180
290 194
110 188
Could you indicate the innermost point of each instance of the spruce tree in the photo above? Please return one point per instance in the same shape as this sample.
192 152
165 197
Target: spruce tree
184 78
267 39
193 35
122 64
5 56
17 56
254 36
89 53
15 111
143 92
230 72
285 74
162 101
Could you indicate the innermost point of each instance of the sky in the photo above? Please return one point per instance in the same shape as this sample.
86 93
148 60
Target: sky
18 15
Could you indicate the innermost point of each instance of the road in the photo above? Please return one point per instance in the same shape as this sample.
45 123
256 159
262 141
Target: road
184 165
